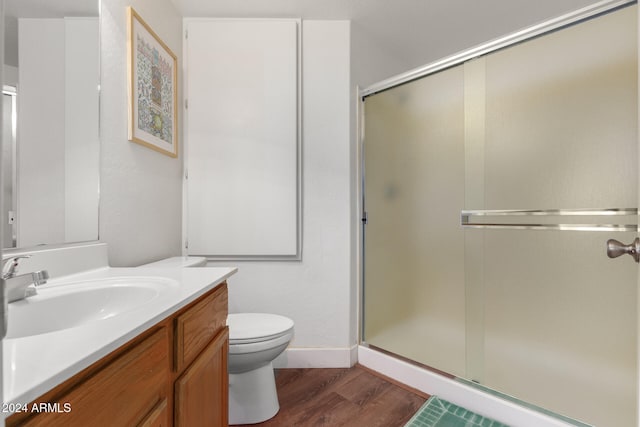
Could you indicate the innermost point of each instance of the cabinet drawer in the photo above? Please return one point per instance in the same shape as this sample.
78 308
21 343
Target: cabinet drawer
199 324
122 394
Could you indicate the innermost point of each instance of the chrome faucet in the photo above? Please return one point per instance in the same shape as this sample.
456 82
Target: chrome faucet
24 285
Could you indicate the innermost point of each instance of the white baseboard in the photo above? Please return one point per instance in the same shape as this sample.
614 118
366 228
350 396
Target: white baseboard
455 392
299 357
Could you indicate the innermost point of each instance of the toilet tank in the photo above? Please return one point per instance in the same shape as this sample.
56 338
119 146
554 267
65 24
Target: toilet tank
179 261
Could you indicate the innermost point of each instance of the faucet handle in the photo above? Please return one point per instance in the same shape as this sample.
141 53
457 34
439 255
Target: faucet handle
10 267
40 277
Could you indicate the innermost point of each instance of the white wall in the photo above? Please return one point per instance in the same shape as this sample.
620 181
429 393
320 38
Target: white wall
316 292
371 59
140 189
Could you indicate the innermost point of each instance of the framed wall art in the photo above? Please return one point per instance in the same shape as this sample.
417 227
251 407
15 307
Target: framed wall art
153 88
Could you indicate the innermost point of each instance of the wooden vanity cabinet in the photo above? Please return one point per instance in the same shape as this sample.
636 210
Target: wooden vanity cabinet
175 373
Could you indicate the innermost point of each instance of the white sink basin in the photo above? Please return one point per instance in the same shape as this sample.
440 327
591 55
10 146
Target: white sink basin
75 304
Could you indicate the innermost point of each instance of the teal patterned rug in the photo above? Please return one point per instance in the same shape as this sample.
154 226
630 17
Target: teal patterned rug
440 413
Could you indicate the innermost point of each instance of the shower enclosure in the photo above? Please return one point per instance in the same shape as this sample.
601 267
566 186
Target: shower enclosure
492 184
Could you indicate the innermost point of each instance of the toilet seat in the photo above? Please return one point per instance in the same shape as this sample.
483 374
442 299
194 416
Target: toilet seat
250 328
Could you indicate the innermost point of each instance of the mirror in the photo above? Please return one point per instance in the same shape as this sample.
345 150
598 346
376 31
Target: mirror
50 153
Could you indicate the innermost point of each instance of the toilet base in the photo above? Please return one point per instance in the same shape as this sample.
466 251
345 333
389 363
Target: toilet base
252 396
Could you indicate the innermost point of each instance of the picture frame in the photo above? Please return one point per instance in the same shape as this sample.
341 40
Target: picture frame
152 87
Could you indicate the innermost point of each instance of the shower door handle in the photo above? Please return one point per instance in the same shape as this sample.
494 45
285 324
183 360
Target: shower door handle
615 249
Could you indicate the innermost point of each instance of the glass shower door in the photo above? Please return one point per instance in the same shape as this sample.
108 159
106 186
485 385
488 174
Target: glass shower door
491 190
414 300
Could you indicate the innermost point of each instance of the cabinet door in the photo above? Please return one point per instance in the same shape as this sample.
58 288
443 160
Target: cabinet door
121 394
158 417
243 136
201 392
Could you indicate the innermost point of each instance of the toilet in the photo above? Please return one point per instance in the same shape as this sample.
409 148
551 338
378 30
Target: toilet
255 340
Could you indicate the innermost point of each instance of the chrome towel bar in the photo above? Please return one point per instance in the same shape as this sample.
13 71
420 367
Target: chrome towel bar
467 219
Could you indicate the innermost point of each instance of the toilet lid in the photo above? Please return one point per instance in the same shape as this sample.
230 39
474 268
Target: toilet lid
254 327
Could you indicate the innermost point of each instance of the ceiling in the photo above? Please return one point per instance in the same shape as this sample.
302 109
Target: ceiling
415 31
14 9
50 8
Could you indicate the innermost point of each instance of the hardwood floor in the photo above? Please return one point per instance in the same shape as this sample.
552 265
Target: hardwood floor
341 397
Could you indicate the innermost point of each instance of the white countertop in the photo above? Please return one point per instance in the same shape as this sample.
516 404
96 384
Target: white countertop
34 365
